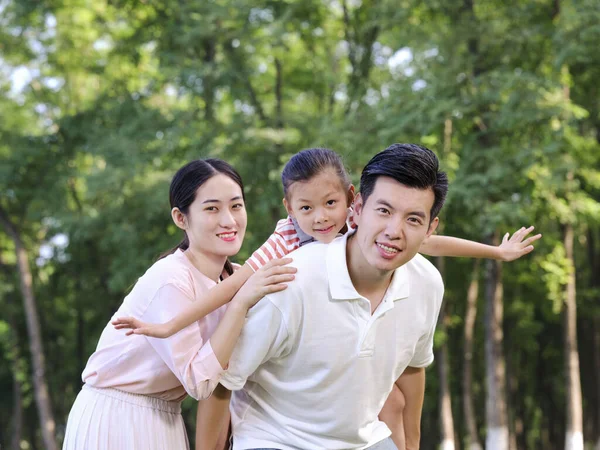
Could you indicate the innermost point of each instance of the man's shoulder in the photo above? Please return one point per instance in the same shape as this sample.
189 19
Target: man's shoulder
309 255
422 269
310 262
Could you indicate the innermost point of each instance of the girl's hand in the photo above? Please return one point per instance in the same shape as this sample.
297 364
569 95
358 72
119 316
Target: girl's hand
157 330
514 247
270 278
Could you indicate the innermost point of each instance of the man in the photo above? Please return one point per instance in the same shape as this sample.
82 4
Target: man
316 362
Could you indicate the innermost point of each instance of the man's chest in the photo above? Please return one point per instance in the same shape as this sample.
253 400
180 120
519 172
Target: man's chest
340 335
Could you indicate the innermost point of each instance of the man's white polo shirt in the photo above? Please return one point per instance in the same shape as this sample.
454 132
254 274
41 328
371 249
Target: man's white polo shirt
313 367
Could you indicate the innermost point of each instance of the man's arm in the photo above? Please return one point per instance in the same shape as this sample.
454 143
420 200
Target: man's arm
412 381
212 420
412 385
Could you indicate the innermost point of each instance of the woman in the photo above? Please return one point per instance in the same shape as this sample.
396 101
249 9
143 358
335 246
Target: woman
134 384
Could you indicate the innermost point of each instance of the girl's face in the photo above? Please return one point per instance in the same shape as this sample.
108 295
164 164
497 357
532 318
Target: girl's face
216 220
320 205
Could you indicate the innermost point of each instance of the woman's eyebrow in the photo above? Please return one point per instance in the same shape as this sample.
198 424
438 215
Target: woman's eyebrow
214 200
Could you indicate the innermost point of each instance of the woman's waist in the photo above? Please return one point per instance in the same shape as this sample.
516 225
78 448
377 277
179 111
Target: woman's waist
143 400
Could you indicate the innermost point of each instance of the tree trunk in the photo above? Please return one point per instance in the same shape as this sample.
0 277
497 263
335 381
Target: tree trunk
42 397
594 259
497 422
17 428
32 434
17 413
244 75
360 34
446 418
597 377
574 417
467 381
80 340
209 50
515 423
79 301
278 94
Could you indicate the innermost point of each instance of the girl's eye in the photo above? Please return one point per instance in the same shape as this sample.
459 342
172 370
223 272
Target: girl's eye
238 206
305 208
331 202
210 208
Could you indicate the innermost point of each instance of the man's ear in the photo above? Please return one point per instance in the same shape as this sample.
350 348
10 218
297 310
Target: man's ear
357 208
288 207
179 218
433 226
351 194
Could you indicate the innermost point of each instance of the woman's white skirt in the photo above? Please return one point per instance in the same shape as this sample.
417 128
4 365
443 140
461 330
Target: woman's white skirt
109 419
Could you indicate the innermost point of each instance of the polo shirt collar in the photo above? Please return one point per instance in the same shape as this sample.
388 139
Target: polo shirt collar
340 284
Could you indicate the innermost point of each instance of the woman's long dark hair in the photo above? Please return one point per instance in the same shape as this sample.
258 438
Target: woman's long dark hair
185 184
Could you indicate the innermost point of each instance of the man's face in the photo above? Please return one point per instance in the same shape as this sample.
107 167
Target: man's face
392 223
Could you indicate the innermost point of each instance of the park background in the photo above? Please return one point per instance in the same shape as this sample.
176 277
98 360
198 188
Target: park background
101 101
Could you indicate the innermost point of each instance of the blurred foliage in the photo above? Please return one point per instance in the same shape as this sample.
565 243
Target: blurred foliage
101 102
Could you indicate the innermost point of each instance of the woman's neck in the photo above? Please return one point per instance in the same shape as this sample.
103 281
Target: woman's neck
209 265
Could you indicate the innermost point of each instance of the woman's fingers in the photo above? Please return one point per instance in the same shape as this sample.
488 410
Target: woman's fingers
270 289
276 263
279 270
280 278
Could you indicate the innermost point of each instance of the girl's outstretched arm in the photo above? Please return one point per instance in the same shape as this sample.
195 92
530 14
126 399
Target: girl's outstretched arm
277 246
511 248
212 300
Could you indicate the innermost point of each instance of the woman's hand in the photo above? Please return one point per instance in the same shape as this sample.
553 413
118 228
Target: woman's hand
272 277
136 326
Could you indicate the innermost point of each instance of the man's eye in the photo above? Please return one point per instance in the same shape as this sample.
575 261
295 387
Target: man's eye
238 206
383 210
210 208
415 220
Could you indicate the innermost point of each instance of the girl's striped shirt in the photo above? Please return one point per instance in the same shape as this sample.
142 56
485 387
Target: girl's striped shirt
286 238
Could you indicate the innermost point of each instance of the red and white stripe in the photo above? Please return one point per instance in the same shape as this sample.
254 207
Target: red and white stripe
282 242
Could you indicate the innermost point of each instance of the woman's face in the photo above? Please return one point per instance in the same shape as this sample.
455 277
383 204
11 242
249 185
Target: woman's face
216 220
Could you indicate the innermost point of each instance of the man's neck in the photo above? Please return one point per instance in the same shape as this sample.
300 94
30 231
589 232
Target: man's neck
368 281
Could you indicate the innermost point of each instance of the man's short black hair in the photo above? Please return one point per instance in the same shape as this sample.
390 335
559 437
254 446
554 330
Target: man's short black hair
411 165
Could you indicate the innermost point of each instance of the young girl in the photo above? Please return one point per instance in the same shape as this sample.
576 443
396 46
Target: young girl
318 213
133 387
